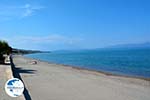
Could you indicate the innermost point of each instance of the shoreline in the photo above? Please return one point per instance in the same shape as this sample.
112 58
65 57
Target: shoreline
44 80
90 70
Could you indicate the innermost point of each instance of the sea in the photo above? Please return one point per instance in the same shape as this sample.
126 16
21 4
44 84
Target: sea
128 62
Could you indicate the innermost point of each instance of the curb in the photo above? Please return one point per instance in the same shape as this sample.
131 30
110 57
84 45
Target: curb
9 73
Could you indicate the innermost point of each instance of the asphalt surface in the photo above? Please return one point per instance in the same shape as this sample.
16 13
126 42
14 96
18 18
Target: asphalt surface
5 74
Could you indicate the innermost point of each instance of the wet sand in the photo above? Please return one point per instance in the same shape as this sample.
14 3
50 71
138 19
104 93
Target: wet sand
46 81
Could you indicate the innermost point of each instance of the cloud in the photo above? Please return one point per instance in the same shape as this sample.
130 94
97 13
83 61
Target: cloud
48 39
13 12
54 41
29 10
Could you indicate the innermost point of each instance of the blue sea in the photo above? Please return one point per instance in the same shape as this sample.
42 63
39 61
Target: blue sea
128 62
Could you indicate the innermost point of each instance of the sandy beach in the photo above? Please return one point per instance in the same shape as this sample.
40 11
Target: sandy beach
46 81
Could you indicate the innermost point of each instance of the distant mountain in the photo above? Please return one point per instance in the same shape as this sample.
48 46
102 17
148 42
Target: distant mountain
22 51
142 45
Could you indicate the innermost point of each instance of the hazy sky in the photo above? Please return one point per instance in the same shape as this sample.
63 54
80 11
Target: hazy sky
74 24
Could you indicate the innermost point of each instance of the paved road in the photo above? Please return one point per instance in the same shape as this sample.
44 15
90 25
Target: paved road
4 76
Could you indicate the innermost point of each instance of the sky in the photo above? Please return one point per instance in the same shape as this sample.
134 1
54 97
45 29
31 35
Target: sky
73 24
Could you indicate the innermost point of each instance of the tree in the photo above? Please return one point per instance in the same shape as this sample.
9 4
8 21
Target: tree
4 49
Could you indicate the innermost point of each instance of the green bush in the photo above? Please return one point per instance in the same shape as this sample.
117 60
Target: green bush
4 49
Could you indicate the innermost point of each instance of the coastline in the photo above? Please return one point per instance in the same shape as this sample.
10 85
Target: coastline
46 81
92 70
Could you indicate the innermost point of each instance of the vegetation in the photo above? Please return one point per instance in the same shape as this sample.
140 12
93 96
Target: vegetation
4 49
22 51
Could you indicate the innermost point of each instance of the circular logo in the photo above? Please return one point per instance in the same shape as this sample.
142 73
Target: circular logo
14 87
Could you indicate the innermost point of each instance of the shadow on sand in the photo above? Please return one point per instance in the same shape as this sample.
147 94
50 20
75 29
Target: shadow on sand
16 74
